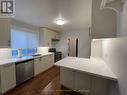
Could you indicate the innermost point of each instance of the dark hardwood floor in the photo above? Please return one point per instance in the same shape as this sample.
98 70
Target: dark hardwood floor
47 83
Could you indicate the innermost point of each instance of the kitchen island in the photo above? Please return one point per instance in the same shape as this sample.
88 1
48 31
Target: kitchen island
86 76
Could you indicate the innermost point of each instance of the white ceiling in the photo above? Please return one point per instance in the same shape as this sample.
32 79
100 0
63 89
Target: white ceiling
43 13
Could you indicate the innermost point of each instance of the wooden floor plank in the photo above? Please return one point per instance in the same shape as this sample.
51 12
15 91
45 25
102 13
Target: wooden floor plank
47 83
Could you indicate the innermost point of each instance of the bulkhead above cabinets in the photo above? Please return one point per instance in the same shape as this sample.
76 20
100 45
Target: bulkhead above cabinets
115 5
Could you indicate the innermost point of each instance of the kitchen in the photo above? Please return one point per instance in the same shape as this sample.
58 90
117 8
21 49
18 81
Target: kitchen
64 47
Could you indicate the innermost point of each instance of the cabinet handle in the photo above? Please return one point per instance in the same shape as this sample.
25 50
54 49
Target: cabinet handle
90 32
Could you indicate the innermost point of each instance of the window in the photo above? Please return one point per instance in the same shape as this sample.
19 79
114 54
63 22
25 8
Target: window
18 39
23 39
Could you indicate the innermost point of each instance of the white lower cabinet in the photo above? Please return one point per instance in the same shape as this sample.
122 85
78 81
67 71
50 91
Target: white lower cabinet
99 86
43 63
83 83
67 78
37 64
49 61
8 77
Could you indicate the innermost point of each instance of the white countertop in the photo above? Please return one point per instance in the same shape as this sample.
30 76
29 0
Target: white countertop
93 66
14 60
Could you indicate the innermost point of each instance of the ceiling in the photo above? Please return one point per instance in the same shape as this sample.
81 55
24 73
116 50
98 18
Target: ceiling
43 13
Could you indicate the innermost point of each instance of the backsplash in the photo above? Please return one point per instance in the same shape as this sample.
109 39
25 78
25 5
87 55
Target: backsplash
5 53
96 48
24 52
42 50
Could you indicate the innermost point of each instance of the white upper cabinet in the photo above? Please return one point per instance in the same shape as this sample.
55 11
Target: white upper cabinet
104 21
115 5
46 35
4 33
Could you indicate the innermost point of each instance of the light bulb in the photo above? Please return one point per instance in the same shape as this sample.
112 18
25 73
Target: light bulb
60 22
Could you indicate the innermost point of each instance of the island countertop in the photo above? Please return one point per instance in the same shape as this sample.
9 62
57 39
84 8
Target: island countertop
93 66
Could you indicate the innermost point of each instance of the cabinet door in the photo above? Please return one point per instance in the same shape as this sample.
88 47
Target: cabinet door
41 38
67 78
99 86
47 37
39 65
4 33
8 77
82 83
44 37
37 68
49 61
43 64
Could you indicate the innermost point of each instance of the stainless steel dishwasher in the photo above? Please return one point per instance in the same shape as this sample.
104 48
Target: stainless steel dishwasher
24 71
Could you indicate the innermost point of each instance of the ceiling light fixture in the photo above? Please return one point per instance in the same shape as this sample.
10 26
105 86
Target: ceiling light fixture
60 22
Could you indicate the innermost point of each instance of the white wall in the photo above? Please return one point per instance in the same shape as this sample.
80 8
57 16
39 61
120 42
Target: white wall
114 53
84 42
122 21
42 50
